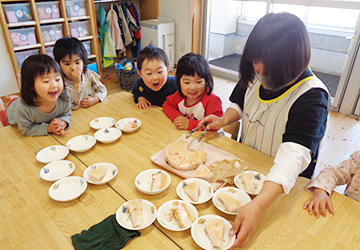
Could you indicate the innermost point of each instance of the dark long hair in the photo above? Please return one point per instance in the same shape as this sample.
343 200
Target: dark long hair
281 42
33 67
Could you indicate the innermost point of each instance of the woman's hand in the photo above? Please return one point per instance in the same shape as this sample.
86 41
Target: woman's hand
181 122
320 200
89 101
57 126
249 215
214 122
245 223
143 103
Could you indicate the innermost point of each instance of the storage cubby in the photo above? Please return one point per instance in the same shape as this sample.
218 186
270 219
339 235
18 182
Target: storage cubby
34 26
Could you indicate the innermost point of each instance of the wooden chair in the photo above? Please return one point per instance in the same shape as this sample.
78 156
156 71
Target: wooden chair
233 129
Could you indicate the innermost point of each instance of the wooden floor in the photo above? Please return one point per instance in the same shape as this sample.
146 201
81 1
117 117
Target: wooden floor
341 139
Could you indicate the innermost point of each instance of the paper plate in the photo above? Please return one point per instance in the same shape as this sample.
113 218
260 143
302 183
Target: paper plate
122 124
149 214
168 221
81 143
107 135
102 122
206 190
52 153
258 179
143 181
235 193
200 237
68 188
110 174
56 170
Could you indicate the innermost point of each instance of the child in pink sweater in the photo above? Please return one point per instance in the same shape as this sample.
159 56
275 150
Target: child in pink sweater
347 172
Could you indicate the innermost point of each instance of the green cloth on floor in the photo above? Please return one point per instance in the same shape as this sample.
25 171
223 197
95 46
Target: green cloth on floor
106 235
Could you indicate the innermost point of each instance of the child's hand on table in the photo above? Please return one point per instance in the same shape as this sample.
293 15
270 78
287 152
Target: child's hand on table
143 103
57 126
320 200
181 122
89 101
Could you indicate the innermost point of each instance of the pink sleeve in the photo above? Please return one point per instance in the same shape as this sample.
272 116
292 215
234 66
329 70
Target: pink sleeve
170 106
341 174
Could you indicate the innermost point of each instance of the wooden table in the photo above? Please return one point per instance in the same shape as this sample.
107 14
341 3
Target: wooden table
285 225
30 219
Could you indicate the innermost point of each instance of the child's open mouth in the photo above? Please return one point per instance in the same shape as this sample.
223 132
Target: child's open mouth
156 85
53 94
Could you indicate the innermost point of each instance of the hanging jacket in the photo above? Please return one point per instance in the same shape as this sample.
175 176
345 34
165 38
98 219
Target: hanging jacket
116 9
136 18
131 23
114 30
128 39
106 44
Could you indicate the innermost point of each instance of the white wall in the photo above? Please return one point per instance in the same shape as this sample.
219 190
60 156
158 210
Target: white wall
223 21
8 84
179 10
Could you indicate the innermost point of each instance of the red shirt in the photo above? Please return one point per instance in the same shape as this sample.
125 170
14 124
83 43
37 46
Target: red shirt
207 105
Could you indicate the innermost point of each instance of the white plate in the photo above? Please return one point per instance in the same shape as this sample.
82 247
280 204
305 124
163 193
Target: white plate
166 219
81 143
102 122
149 214
121 123
206 190
56 170
199 236
258 178
68 188
235 193
143 181
52 153
110 174
107 135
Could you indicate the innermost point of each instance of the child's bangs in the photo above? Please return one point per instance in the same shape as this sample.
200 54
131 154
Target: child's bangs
46 66
195 67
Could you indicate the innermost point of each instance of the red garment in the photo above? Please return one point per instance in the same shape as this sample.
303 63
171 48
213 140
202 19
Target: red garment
207 105
3 117
136 33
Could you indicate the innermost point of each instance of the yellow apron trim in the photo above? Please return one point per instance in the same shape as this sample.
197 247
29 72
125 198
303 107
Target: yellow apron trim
286 92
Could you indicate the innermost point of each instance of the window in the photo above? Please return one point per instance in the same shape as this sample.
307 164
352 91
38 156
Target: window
252 10
313 16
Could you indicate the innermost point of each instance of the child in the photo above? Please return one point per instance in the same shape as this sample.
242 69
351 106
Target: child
193 100
347 172
283 107
83 85
154 85
44 106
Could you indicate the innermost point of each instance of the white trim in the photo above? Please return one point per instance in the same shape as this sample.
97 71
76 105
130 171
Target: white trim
343 4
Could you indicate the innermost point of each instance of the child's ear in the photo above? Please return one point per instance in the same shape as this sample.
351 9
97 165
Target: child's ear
139 73
168 68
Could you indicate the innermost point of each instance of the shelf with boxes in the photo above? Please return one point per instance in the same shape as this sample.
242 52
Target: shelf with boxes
31 27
